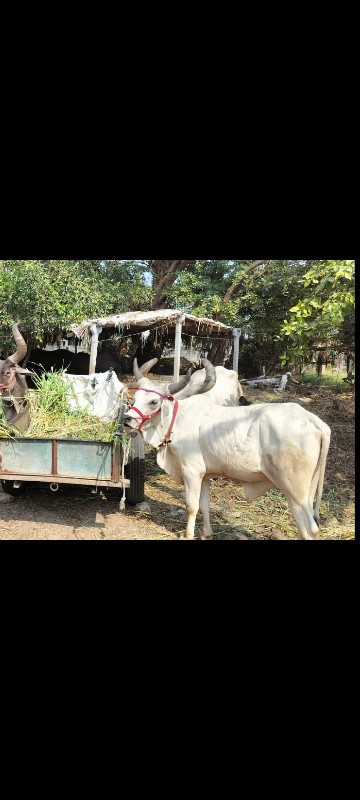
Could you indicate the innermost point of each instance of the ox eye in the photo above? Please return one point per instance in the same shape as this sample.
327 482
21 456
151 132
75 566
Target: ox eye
154 402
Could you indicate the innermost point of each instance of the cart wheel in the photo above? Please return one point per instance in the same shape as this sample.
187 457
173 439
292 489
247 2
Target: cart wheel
135 470
9 488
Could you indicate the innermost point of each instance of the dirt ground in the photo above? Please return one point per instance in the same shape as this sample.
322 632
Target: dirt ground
77 514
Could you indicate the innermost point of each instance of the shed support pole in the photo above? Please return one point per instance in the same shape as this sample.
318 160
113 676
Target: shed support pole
95 331
179 325
236 335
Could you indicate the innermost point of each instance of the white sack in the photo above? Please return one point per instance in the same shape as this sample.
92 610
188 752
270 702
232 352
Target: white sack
99 394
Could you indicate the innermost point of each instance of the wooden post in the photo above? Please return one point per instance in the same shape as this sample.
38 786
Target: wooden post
236 335
179 325
95 331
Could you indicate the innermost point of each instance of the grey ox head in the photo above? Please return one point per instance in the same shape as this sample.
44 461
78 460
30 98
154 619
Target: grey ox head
150 396
13 385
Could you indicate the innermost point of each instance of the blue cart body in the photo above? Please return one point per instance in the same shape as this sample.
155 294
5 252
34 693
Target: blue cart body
88 463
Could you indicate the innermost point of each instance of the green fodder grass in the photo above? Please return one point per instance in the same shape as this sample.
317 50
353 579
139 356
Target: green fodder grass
51 417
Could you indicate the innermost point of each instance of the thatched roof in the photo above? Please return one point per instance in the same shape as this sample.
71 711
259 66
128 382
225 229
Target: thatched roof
139 321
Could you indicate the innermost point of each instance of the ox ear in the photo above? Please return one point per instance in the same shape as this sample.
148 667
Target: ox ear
23 371
166 414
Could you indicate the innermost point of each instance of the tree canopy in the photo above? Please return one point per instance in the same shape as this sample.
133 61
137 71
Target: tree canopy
325 311
283 308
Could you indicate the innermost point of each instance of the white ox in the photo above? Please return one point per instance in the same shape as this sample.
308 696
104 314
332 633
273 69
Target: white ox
261 446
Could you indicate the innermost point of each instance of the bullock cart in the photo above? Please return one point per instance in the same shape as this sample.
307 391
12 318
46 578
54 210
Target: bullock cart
74 461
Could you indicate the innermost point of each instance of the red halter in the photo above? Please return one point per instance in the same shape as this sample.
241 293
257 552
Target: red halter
145 417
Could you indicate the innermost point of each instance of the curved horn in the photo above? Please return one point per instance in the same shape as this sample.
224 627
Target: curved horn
147 367
206 386
210 379
137 372
174 388
21 346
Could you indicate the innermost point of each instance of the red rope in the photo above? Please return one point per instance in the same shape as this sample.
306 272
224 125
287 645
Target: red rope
145 417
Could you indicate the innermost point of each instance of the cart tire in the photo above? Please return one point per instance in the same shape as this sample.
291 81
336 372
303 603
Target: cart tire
9 488
135 470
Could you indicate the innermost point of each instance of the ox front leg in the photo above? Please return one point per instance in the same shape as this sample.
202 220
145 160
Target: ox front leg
205 508
192 496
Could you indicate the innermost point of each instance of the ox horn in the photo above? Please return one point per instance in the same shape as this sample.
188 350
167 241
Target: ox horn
147 367
174 388
210 379
21 346
137 372
141 372
208 383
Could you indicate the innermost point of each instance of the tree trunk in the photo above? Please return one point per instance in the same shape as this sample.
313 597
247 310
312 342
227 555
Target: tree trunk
348 362
164 275
240 278
319 364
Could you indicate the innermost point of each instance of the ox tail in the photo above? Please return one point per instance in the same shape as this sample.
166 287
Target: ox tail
325 444
241 393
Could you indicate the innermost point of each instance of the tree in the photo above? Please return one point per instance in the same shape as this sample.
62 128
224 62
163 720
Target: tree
251 295
45 297
153 292
239 280
325 310
130 280
164 275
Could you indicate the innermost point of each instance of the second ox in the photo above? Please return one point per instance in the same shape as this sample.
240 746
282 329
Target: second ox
13 385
